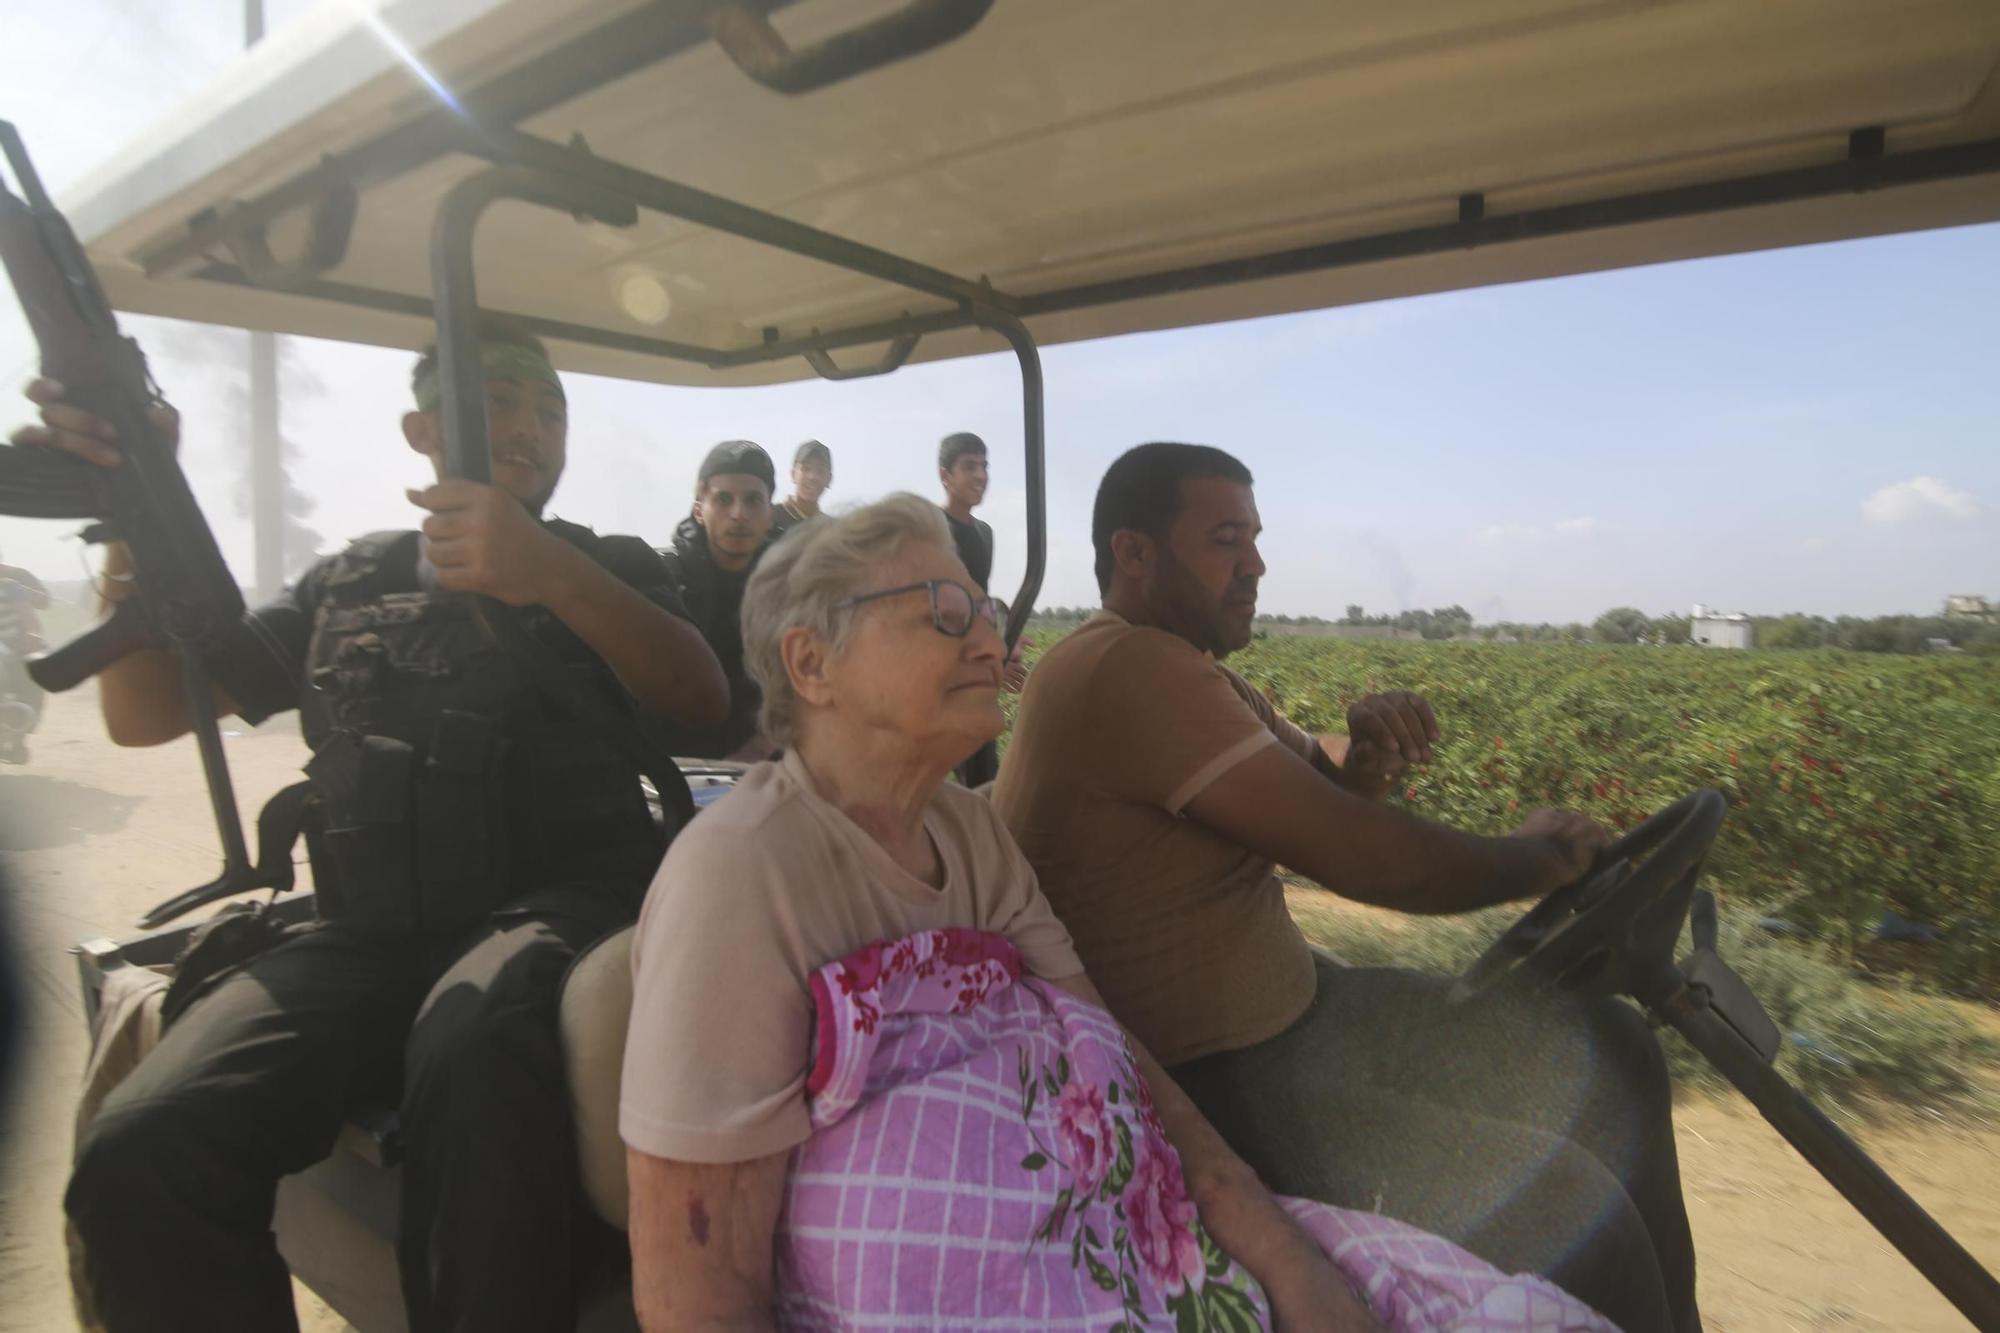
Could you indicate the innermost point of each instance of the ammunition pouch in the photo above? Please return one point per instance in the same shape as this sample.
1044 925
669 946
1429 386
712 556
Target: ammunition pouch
445 784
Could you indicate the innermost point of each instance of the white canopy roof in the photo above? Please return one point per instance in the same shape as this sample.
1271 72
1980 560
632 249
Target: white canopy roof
1060 145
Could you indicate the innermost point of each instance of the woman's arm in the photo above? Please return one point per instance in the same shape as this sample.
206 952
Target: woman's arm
701 1241
1307 1292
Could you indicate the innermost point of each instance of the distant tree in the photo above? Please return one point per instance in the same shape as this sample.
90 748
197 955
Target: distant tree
1673 628
1792 631
223 351
1355 615
1449 622
1622 624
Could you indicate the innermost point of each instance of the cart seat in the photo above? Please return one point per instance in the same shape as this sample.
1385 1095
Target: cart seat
596 1007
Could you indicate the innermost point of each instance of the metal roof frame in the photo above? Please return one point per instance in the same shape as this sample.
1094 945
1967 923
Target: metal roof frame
571 177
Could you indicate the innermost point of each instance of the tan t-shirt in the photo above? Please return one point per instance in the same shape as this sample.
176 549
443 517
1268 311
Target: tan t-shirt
767 886
1185 932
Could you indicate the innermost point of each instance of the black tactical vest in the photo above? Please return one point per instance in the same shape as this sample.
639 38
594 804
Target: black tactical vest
448 785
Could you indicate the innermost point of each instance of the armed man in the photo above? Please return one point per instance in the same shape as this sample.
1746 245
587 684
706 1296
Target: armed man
470 838
714 550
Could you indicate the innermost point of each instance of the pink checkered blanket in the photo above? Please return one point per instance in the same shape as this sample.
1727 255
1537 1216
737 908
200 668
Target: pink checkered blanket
985 1155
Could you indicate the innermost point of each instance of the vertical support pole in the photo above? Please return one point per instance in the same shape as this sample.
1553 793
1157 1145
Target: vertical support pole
1033 440
267 463
267 467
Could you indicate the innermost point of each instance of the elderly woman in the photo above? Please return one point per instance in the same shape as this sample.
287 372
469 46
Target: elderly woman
880 667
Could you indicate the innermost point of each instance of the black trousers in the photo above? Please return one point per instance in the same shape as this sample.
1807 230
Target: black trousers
1536 1130
176 1179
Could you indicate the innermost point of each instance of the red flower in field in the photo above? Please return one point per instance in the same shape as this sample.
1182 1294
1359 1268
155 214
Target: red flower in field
1409 793
1600 789
1499 743
1808 760
1734 761
1777 766
1834 767
1816 799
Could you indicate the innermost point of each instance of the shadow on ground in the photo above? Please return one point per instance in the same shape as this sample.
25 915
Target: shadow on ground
38 812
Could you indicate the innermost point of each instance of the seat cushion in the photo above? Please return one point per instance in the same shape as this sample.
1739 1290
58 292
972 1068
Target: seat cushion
596 1007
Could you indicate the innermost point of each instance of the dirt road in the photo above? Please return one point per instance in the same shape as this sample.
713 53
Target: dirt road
93 835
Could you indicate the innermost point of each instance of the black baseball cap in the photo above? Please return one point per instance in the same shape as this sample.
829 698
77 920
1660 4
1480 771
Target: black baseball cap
812 449
738 456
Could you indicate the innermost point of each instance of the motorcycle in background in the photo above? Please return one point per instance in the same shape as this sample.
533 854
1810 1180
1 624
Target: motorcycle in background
20 697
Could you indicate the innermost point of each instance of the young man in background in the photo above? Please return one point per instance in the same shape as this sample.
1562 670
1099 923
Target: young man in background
714 550
812 473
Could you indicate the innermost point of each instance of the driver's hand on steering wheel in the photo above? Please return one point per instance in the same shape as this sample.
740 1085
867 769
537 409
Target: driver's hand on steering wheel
1573 842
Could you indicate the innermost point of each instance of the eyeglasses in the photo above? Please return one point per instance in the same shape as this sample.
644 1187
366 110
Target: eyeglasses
954 607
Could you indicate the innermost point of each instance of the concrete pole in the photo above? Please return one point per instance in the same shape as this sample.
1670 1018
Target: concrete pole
267 462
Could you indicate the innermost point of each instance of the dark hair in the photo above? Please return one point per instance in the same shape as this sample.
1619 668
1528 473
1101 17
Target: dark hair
1142 492
493 328
956 446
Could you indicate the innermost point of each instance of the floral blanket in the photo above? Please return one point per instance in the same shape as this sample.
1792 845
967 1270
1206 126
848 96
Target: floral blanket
985 1155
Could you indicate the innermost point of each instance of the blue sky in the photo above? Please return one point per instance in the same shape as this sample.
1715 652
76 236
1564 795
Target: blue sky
1811 429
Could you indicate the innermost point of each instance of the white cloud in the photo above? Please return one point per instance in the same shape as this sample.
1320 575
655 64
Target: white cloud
1919 497
1529 534
1812 547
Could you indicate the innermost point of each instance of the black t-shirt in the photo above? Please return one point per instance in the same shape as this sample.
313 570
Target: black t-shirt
974 541
713 597
263 665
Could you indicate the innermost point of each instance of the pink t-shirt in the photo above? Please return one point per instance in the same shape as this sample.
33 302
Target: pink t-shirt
769 884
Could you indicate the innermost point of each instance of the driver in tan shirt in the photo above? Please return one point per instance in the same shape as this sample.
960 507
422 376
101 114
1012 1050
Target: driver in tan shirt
1155 791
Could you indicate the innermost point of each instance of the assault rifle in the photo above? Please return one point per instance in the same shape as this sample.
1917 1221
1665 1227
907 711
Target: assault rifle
186 598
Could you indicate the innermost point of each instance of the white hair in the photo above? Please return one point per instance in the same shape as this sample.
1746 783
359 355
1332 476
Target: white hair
802 580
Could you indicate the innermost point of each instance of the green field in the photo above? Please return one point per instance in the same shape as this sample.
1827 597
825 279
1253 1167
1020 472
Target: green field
1857 782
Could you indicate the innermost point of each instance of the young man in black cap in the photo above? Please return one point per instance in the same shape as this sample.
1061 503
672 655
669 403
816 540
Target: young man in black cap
714 550
812 473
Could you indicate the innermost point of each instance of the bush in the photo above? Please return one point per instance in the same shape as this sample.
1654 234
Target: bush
1855 783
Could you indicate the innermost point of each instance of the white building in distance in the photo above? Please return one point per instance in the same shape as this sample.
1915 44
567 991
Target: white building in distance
1968 606
1713 629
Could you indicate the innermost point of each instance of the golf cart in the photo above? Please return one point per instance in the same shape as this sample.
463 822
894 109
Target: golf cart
724 192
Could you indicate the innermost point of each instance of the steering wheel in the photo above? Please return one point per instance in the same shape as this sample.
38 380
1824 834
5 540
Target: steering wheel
1614 930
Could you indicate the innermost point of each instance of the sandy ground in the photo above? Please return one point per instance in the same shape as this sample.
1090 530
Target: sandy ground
94 835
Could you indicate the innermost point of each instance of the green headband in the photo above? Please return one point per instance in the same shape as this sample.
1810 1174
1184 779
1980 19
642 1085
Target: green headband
497 361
